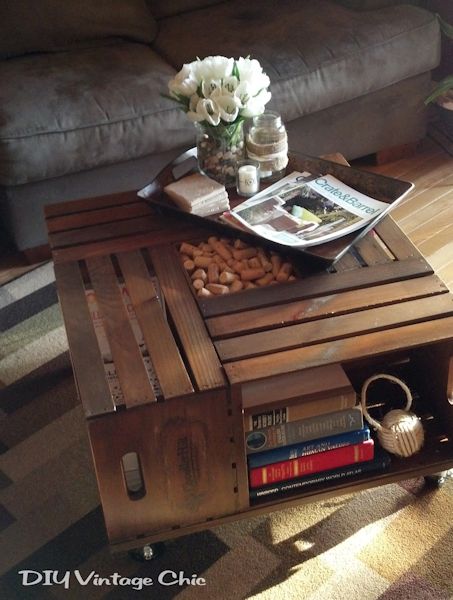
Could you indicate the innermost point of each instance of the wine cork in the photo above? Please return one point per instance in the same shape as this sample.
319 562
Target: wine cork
212 240
198 284
238 266
245 253
226 278
255 263
188 249
236 286
265 280
189 265
276 262
217 289
203 292
222 250
213 273
202 261
200 274
251 274
284 273
291 278
249 285
239 244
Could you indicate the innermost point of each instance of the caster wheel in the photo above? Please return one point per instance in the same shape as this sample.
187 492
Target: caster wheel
147 552
437 480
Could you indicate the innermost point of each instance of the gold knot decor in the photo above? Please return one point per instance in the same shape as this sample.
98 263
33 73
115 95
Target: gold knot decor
401 431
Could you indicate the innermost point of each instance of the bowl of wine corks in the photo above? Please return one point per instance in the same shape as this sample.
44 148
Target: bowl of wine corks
226 266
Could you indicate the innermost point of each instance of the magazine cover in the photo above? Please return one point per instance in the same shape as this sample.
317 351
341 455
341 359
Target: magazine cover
303 210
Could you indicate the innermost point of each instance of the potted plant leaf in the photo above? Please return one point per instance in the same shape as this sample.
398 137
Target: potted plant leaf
442 94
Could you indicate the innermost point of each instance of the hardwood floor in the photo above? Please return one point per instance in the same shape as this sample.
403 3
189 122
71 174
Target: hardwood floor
426 215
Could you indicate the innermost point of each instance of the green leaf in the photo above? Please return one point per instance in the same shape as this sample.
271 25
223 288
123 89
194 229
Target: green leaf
442 87
445 27
235 71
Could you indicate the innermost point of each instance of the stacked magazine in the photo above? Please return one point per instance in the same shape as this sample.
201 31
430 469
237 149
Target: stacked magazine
303 210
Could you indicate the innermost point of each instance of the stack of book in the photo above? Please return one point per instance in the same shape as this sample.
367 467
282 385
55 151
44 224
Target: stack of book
198 195
315 435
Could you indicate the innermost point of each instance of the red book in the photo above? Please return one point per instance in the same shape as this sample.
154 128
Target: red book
313 463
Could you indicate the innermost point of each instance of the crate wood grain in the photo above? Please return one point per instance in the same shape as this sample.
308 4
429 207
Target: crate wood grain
344 350
335 328
188 466
199 350
127 357
300 311
166 358
86 357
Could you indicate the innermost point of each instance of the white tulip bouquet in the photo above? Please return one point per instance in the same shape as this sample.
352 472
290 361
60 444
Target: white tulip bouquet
220 90
218 94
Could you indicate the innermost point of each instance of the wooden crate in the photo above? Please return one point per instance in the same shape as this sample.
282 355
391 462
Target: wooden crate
381 306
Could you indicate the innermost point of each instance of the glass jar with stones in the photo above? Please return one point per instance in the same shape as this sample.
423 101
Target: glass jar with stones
219 147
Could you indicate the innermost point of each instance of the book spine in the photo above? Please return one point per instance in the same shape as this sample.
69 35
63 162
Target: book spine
314 463
296 412
379 463
268 457
304 430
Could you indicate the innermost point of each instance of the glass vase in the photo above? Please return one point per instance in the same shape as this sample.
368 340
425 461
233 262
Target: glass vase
218 150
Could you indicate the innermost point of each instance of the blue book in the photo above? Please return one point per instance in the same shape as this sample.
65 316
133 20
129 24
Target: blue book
380 462
268 457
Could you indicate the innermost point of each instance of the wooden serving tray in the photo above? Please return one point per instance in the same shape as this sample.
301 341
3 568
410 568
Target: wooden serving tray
385 189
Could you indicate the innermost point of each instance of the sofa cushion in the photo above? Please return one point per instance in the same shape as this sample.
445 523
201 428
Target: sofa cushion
67 112
169 8
317 54
48 25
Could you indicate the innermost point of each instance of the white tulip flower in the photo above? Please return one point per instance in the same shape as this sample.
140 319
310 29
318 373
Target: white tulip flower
230 84
209 111
192 112
256 105
228 105
183 83
212 67
208 86
250 71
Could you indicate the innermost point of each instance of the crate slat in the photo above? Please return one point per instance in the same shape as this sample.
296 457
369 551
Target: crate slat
94 233
346 349
371 252
85 353
322 330
317 285
170 370
347 262
95 217
198 348
127 357
174 234
323 306
89 204
396 241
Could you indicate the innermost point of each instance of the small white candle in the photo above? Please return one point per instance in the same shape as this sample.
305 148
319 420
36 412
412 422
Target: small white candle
248 179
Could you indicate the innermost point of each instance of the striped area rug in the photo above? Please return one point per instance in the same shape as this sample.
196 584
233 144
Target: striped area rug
393 542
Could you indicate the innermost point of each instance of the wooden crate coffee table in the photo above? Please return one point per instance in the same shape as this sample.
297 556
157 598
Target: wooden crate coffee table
381 307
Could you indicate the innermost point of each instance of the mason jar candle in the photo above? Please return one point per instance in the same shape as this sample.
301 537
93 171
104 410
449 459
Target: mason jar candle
247 177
